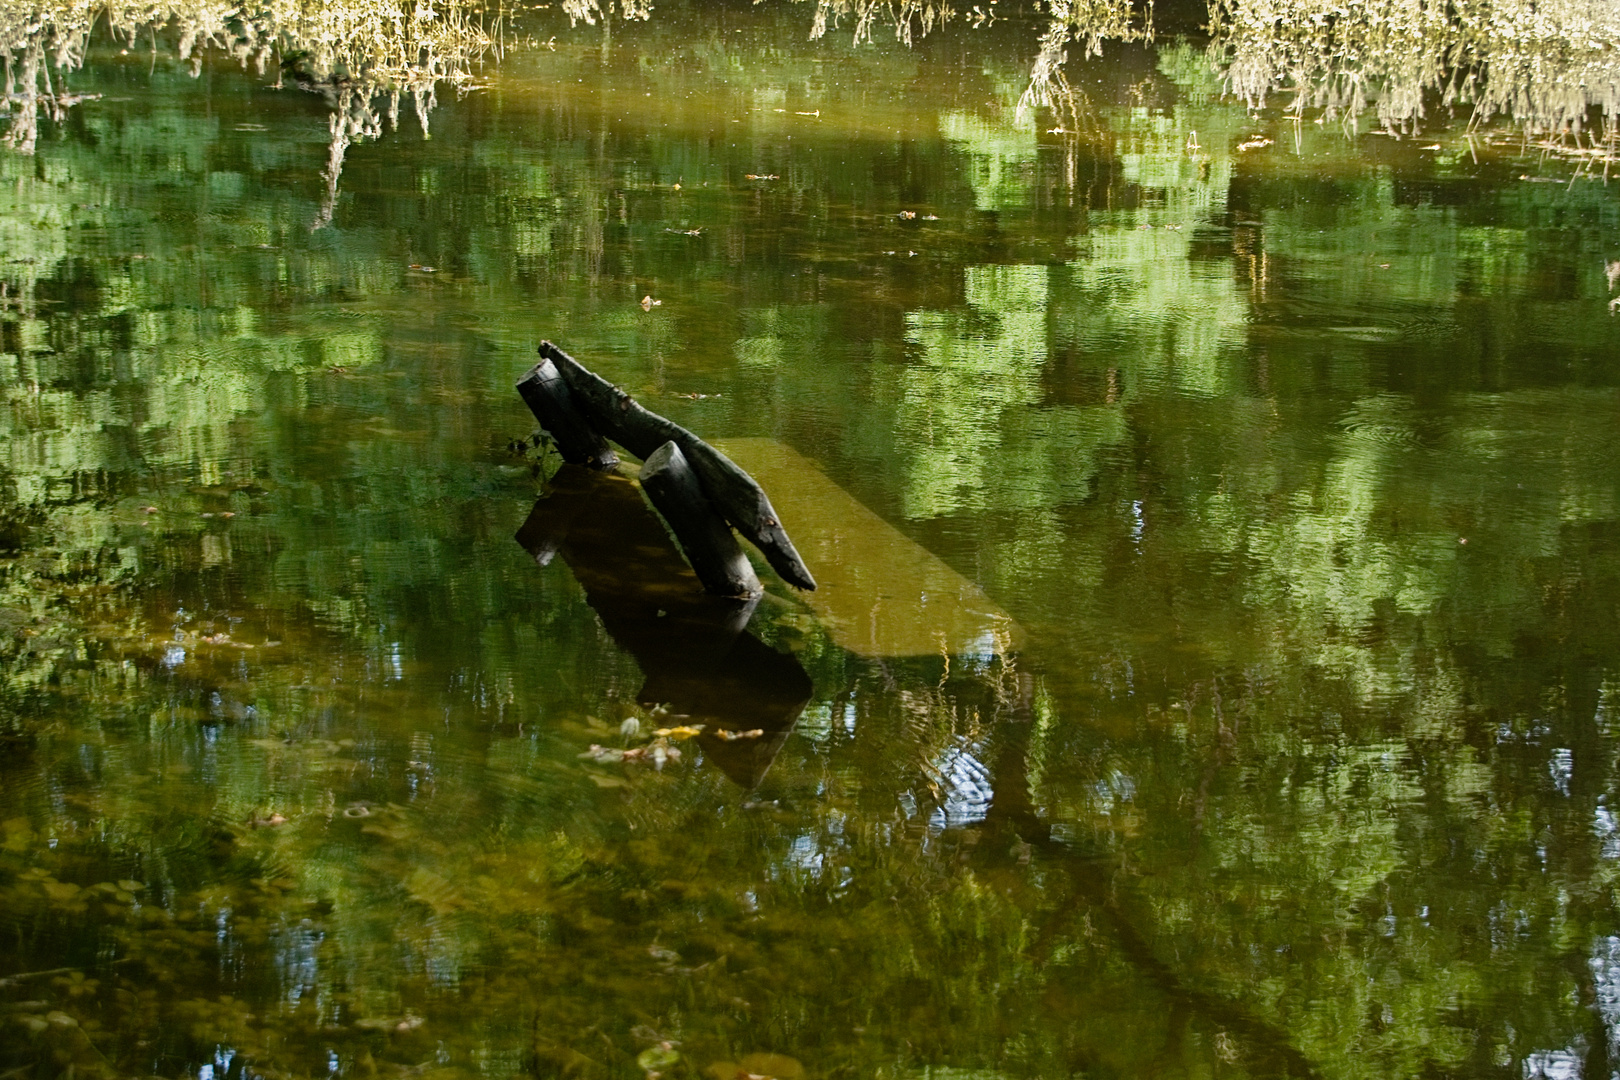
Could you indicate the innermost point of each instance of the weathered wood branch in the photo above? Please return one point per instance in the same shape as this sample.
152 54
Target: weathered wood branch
615 414
702 533
548 397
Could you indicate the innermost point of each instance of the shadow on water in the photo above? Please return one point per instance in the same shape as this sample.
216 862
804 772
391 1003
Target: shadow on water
698 658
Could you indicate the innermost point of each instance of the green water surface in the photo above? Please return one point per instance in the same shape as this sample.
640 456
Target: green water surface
1294 462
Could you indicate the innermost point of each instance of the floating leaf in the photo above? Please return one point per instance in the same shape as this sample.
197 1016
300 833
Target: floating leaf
684 731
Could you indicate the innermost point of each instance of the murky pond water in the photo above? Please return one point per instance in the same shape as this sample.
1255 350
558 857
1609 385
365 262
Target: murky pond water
1218 519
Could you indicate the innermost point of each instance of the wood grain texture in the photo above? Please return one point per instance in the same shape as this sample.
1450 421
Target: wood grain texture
548 397
733 492
703 535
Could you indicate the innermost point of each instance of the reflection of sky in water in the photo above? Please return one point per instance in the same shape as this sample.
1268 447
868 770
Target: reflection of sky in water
443 963
1607 829
220 1066
1562 768
296 949
982 651
1113 789
967 790
1553 1065
806 854
228 952
808 851
1605 964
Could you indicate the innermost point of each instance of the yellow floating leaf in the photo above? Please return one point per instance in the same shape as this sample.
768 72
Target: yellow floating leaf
684 731
733 736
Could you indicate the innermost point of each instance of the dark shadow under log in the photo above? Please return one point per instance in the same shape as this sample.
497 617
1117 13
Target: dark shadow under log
699 529
733 492
548 397
693 649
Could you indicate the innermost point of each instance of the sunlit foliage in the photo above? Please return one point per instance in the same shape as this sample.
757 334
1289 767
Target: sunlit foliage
1545 63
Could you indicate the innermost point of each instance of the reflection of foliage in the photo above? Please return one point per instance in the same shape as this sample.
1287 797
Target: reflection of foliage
588 11
1543 62
362 55
908 16
1090 23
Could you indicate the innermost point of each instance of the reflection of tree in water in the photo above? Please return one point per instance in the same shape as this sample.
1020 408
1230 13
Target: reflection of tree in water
362 55
1088 23
365 55
907 16
30 42
1546 63
1550 64
358 112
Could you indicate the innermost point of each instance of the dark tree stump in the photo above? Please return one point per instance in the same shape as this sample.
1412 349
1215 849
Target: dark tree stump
702 533
732 491
548 397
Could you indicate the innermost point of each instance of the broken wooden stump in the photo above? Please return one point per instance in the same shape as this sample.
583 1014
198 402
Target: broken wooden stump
615 414
548 397
702 533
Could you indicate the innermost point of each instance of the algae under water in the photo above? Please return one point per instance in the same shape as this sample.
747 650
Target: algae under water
1241 702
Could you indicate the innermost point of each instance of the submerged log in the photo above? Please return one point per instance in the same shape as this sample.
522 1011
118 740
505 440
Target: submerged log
548 397
882 593
699 529
733 492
